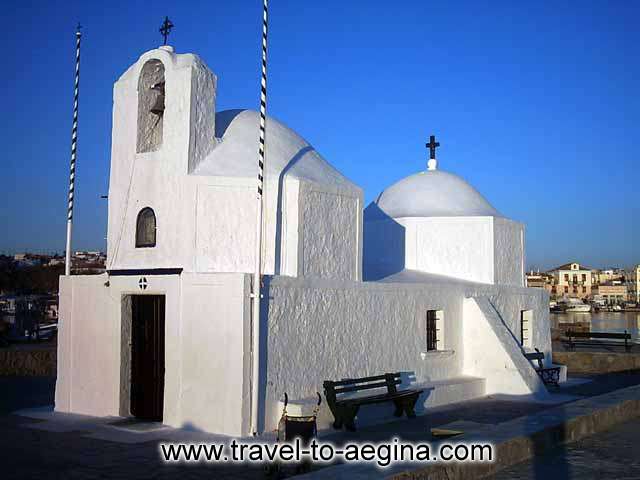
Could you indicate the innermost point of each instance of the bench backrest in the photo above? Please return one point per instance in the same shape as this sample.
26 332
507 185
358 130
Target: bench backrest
537 356
389 380
624 336
534 356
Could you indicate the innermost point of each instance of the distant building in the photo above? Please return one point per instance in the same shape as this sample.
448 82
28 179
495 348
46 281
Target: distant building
26 260
633 284
27 263
610 276
572 280
87 263
540 280
610 293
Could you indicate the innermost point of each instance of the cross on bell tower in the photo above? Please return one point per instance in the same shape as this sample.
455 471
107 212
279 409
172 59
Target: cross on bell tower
165 29
432 164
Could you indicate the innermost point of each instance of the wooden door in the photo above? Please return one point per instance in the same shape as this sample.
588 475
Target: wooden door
147 356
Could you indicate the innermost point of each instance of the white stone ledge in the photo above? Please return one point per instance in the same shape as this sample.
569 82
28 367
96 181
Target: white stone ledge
437 354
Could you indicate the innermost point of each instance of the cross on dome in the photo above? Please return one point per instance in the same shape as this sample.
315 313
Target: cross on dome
432 164
165 29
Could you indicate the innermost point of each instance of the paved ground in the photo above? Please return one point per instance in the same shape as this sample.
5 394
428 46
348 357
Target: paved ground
26 453
32 453
614 454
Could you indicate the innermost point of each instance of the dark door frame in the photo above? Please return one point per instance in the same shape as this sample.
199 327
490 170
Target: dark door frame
147 357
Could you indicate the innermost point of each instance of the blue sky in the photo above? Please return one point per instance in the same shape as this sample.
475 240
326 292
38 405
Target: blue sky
536 105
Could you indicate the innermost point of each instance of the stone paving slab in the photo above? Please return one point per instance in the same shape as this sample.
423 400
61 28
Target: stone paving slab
106 428
104 451
514 440
612 454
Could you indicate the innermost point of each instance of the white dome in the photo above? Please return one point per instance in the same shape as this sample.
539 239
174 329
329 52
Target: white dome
432 193
286 152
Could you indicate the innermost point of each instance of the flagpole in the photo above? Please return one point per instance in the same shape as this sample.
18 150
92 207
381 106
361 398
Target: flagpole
255 331
72 166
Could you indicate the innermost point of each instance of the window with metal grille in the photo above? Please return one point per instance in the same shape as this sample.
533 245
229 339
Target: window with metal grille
526 317
432 330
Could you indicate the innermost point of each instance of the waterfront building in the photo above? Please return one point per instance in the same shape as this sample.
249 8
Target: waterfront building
572 280
633 284
610 293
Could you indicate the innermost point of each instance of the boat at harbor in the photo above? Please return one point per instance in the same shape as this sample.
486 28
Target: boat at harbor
581 308
573 305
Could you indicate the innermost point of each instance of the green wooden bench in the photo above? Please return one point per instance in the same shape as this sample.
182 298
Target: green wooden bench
548 375
345 409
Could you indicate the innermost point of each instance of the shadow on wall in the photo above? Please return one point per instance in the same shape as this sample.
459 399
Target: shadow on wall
384 244
408 379
290 164
517 341
264 354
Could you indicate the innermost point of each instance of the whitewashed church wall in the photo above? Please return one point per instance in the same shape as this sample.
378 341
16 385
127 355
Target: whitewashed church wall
203 113
493 352
326 330
206 343
383 248
225 218
460 247
225 228
169 197
63 360
88 348
508 237
331 233
204 224
89 377
287 245
215 372
511 302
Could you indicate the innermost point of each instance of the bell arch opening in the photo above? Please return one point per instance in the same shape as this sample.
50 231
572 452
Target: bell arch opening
151 101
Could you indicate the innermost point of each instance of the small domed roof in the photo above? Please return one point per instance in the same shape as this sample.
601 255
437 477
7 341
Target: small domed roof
433 193
286 152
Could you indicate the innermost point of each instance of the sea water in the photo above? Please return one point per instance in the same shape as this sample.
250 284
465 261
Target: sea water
615 322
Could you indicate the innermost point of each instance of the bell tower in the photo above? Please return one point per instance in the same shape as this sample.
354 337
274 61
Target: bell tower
164 105
163 127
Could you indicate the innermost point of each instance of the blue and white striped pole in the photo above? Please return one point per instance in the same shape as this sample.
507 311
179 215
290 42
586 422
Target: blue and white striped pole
255 331
72 166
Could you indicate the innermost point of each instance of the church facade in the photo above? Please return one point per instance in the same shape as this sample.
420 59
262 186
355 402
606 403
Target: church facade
428 280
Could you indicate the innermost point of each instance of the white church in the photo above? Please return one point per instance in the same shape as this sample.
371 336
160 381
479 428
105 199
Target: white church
427 280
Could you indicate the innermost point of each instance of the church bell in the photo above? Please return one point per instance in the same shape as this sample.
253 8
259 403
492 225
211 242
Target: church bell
157 108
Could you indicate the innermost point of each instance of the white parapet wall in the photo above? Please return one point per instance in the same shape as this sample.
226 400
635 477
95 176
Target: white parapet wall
492 351
312 330
328 330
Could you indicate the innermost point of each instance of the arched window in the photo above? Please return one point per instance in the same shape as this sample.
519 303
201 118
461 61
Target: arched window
151 97
146 228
